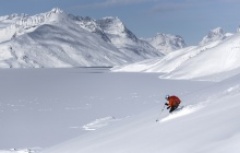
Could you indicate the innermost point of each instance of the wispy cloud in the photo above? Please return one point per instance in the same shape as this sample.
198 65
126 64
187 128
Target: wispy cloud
220 1
157 5
111 3
175 5
122 2
230 1
170 6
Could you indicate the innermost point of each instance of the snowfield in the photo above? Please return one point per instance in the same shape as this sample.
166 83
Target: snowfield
97 111
207 124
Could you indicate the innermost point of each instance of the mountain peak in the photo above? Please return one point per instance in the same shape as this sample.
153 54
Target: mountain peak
57 10
56 14
216 31
112 25
238 29
111 18
213 35
167 42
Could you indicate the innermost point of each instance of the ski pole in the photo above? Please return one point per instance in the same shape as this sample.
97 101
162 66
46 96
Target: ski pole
164 106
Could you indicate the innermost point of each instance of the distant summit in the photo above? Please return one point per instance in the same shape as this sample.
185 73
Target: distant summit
167 43
238 29
216 34
57 10
112 25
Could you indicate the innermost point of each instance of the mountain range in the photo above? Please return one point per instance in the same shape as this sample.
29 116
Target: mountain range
58 39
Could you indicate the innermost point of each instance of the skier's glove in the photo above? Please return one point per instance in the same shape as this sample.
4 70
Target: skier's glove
166 104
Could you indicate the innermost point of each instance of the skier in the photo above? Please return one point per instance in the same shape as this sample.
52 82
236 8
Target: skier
173 102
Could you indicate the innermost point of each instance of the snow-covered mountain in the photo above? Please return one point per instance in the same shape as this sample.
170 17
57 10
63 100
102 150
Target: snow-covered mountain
217 55
214 35
167 43
58 39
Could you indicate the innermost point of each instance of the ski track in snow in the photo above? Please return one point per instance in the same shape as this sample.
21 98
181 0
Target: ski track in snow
98 123
180 113
13 150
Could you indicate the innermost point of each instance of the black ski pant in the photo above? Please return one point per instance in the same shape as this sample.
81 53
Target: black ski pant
173 108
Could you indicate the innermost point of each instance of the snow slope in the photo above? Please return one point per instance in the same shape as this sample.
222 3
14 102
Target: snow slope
58 39
115 112
207 124
43 107
204 62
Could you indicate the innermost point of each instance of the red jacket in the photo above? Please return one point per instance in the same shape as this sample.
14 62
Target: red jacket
173 101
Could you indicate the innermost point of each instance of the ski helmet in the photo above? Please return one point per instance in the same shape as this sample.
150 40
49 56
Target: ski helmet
166 97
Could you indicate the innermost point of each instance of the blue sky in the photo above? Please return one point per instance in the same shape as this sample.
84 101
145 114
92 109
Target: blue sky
191 19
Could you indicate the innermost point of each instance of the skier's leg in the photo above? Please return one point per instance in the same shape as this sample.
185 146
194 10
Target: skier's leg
173 108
